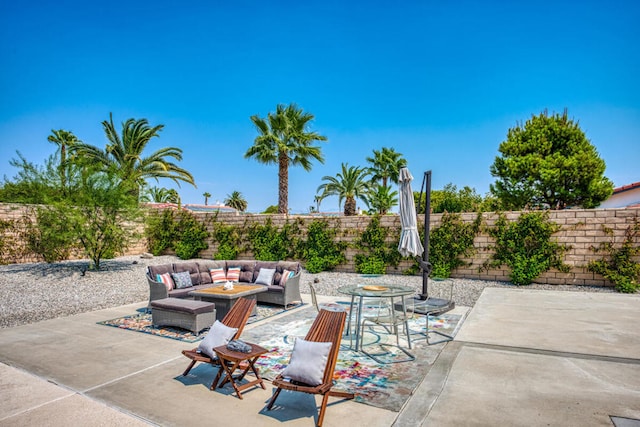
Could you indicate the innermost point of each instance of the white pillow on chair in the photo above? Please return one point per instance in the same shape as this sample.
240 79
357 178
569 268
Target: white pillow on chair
219 334
308 361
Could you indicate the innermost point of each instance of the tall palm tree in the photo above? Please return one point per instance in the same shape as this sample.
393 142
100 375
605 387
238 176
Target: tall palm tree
236 201
386 165
124 154
348 185
284 139
206 196
63 139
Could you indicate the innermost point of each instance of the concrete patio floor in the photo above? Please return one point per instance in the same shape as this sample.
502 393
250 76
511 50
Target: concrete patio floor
521 358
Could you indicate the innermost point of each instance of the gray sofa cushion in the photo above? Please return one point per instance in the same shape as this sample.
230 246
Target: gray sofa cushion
184 305
246 269
160 269
191 267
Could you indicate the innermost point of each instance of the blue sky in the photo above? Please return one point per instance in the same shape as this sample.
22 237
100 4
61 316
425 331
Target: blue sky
440 82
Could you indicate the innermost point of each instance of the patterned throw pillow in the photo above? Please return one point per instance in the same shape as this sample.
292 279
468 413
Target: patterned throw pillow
217 275
233 274
182 280
286 275
166 279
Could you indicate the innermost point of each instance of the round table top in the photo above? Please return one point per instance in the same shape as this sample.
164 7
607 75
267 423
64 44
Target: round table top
377 290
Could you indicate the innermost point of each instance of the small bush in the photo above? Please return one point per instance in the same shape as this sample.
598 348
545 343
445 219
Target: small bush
525 246
618 265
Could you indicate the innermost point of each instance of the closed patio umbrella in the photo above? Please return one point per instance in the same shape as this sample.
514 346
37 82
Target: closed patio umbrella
409 237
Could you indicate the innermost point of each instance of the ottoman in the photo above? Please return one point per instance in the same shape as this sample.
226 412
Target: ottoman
183 313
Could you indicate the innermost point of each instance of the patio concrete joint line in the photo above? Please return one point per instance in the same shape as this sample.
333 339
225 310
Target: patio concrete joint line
417 409
613 359
130 375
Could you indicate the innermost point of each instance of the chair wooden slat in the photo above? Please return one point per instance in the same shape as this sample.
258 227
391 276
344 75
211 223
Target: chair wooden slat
236 318
327 327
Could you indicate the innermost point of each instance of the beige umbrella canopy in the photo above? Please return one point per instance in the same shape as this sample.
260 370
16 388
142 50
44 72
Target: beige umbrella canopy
410 244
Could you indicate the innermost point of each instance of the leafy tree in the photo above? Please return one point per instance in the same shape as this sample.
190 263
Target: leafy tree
381 199
284 139
386 165
95 218
36 184
206 196
273 209
236 201
450 199
125 154
549 162
348 185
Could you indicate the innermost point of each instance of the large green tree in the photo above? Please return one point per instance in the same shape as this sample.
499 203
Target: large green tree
348 185
385 165
381 199
549 162
284 139
124 154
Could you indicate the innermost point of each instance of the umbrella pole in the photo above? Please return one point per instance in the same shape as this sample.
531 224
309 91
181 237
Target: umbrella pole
426 186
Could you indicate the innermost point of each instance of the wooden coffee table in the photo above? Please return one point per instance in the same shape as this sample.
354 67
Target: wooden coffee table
232 360
224 300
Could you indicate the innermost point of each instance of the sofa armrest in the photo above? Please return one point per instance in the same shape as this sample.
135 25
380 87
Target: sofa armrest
157 290
292 289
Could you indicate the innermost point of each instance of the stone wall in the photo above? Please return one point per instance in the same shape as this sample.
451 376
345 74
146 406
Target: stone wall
580 229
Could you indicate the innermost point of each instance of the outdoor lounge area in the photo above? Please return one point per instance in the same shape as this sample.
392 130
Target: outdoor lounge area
502 368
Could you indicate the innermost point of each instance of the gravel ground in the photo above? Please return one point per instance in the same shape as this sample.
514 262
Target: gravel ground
34 292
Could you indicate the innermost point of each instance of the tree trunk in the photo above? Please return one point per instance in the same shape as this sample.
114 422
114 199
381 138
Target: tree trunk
350 206
283 183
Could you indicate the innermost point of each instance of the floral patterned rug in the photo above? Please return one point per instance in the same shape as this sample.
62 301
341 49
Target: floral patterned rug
384 385
141 322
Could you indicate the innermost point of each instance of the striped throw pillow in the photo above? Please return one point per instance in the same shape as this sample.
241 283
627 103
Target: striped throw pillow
166 279
217 275
233 274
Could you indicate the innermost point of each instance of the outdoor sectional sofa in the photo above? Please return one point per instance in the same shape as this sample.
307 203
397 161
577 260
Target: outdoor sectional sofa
200 274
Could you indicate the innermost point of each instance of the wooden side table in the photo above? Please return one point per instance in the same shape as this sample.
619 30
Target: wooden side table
232 360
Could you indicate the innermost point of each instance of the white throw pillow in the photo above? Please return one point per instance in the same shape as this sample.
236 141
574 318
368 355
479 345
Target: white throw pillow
219 334
265 277
308 361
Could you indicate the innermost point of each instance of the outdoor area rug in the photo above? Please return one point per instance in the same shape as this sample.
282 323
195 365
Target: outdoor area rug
141 322
386 385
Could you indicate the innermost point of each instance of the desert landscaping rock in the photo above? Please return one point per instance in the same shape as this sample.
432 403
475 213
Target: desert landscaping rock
38 291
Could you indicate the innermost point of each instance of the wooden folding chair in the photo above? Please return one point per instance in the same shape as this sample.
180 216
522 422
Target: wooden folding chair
327 327
236 318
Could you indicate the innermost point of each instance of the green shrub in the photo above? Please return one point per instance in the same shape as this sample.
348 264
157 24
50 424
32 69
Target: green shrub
451 240
320 250
229 239
177 230
160 231
268 243
618 265
376 254
525 246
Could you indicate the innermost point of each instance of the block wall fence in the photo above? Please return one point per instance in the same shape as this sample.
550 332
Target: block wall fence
580 230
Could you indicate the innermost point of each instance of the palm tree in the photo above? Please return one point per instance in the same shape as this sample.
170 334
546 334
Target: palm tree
160 195
236 201
284 140
63 139
350 184
386 165
124 154
206 196
381 199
